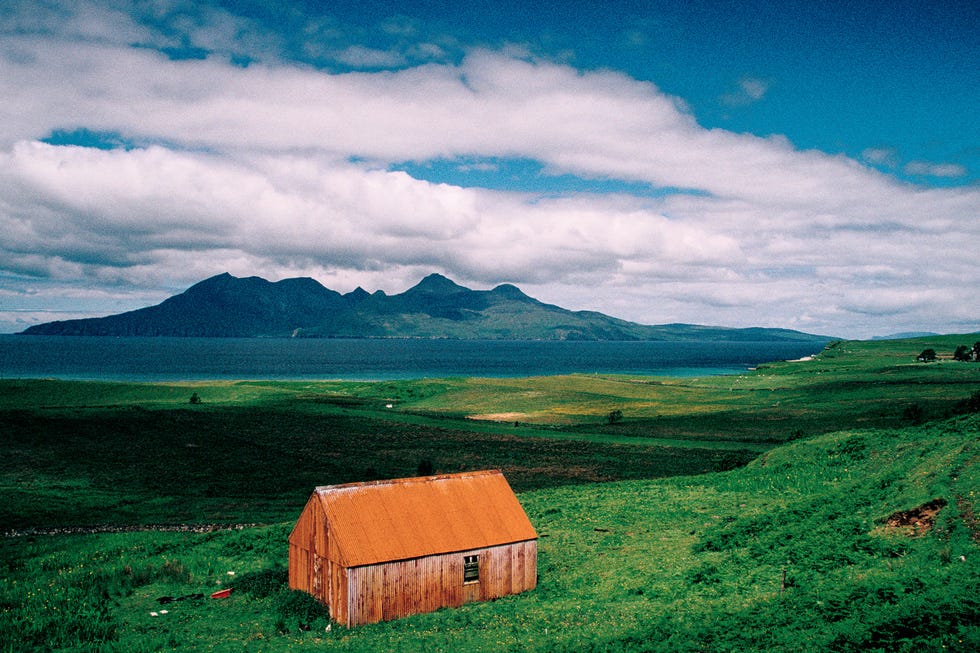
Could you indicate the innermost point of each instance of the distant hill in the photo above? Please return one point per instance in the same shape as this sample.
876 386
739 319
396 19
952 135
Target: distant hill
227 306
906 335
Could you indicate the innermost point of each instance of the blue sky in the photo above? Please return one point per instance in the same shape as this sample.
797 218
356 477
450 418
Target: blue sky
792 164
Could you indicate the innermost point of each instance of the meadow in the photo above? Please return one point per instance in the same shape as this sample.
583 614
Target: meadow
774 510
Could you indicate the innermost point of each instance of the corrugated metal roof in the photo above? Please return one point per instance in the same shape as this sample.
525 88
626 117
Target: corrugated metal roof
429 515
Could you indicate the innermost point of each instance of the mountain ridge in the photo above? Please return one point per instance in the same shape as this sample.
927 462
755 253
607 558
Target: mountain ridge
436 307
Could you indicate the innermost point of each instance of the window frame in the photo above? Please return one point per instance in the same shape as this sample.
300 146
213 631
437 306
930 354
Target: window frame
471 569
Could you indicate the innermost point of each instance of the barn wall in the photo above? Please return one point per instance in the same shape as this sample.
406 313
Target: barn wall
301 547
300 568
309 551
338 579
399 589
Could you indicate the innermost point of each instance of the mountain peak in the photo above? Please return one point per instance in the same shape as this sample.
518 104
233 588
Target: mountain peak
509 291
228 306
357 296
222 279
436 284
221 283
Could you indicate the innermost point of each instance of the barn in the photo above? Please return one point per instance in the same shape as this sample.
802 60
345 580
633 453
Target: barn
383 550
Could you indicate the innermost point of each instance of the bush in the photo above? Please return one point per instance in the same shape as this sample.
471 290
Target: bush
298 606
263 583
927 355
963 353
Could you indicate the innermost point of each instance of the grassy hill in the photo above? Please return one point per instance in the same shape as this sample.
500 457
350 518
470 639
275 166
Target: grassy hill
858 534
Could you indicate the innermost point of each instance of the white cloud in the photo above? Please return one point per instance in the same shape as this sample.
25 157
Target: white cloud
747 91
128 208
754 88
357 56
883 156
90 22
284 170
924 168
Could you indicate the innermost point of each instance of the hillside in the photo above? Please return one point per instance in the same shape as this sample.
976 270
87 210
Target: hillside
861 536
227 306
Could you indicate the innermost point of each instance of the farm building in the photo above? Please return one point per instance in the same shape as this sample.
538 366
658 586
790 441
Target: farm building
388 549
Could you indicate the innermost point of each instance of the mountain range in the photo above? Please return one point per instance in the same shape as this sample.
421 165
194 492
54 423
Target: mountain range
227 306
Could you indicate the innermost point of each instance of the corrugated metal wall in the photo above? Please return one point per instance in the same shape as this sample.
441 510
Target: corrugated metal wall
378 591
399 589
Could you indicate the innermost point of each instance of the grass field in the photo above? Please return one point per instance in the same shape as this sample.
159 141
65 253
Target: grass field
655 533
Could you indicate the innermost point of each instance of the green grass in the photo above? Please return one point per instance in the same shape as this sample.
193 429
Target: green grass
678 564
219 463
790 552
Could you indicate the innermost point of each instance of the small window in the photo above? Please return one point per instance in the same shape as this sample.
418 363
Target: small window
471 569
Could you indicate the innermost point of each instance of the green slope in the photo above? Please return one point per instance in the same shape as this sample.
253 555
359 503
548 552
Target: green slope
800 550
792 553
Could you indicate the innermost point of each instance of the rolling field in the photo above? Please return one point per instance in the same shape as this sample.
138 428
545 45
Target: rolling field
754 512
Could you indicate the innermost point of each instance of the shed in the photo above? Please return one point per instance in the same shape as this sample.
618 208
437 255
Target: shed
388 549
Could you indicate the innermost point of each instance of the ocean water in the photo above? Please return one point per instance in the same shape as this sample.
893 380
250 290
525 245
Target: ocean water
192 359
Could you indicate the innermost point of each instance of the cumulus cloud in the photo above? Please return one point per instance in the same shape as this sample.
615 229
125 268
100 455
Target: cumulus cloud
126 208
282 170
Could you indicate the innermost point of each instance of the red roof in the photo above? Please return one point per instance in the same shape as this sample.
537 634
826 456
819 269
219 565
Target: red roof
407 518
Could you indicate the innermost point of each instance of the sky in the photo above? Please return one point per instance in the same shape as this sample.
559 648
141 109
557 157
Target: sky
812 166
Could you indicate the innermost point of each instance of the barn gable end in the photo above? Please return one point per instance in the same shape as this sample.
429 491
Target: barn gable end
387 549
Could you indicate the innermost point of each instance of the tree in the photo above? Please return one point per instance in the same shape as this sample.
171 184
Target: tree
962 353
195 398
926 355
976 351
615 416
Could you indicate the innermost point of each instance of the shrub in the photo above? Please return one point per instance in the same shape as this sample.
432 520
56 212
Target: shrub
425 468
263 583
298 606
927 355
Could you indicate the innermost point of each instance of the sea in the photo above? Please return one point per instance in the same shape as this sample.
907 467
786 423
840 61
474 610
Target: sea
201 359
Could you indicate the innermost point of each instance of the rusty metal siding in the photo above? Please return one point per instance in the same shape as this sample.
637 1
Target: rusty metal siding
400 589
459 509
309 552
301 547
300 568
339 582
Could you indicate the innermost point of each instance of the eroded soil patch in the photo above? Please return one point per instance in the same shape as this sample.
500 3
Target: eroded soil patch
916 521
